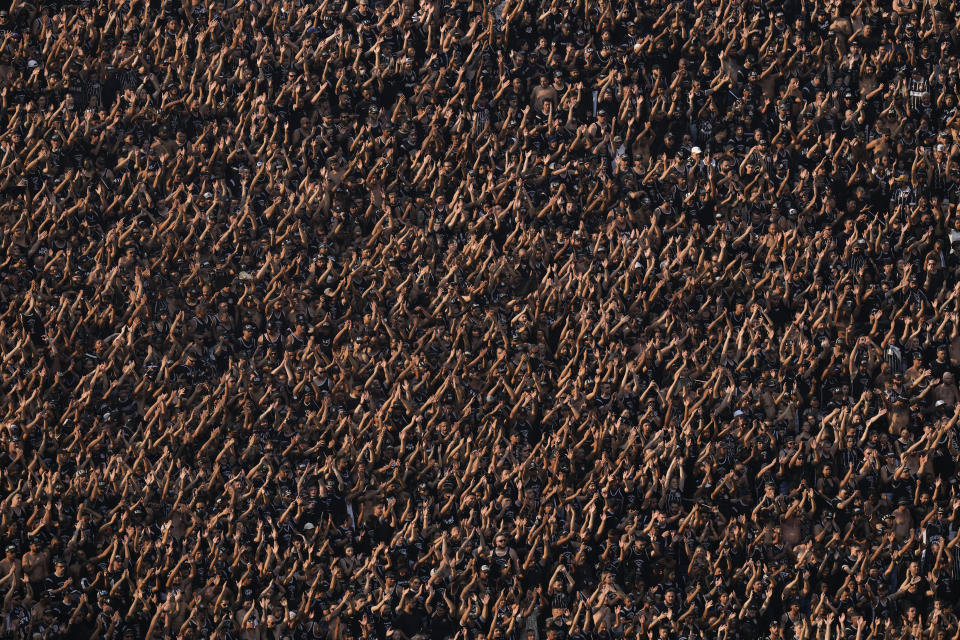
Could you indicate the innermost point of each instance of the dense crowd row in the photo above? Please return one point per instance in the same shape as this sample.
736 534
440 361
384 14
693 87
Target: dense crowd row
459 320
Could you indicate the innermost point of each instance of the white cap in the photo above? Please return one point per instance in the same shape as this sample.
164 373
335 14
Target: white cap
737 413
696 150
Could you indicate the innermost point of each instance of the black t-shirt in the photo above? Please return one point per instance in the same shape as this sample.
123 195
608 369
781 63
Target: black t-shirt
442 628
54 582
409 623
938 368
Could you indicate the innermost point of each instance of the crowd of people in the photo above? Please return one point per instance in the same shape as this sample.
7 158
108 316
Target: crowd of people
456 320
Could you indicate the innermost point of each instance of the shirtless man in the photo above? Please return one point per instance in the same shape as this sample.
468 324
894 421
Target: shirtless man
543 92
36 564
10 563
947 390
899 418
902 519
916 371
796 519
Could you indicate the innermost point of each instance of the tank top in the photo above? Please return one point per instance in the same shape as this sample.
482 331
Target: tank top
502 561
